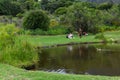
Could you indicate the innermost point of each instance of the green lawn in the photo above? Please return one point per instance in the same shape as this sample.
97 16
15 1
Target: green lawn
61 39
11 73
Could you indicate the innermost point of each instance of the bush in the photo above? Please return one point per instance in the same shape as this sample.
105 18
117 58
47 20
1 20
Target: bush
57 30
7 7
115 22
53 23
7 35
109 28
36 19
14 51
20 15
101 37
94 29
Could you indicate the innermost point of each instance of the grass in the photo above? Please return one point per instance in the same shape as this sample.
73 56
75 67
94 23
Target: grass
8 72
61 39
20 54
113 34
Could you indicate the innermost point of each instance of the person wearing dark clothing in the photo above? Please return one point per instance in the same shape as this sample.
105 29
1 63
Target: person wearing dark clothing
80 32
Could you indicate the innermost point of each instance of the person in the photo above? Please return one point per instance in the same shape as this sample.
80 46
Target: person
70 36
84 33
80 32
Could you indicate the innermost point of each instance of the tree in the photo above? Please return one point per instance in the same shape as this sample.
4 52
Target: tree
44 4
9 8
105 6
84 17
52 5
36 19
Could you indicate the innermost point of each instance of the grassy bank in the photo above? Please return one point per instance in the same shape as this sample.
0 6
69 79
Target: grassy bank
61 39
11 73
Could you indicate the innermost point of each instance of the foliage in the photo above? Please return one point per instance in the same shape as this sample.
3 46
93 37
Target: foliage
36 19
101 37
29 4
51 5
82 17
20 15
14 51
56 30
19 54
61 10
53 23
115 21
105 6
7 35
72 13
108 28
9 8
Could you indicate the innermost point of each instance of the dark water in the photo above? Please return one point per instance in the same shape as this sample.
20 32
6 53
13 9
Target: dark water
99 59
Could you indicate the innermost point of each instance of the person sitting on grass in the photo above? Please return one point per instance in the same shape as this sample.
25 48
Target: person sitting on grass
69 36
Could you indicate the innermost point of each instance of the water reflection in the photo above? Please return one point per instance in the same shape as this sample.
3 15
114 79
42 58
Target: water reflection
69 48
82 59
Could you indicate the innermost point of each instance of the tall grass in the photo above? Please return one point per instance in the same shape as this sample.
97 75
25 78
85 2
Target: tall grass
14 51
19 54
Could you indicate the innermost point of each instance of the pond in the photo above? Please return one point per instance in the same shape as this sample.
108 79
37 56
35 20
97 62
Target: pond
93 59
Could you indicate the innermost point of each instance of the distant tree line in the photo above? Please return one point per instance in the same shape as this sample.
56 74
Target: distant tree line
70 14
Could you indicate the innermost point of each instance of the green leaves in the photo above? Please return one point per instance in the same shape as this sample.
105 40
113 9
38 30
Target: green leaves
9 8
36 19
7 35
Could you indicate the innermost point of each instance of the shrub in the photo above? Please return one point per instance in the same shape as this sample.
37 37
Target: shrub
115 22
14 51
57 30
94 29
7 35
20 15
7 7
36 19
53 23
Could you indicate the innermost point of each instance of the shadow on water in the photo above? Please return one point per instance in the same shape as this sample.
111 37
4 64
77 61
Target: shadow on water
100 59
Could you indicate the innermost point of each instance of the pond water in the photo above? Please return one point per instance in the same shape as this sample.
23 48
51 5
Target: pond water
93 59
